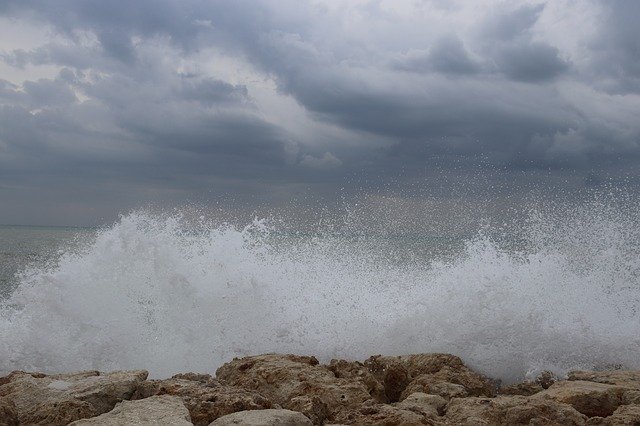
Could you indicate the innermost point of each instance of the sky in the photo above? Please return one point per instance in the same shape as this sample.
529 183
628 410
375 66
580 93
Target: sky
108 106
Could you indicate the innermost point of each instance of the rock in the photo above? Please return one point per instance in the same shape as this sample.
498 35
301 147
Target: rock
398 373
156 410
354 370
371 413
281 378
590 398
524 389
8 413
510 410
205 398
624 415
426 384
430 406
61 399
264 418
625 378
528 388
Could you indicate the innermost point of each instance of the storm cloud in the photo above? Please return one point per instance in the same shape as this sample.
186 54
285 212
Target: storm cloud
106 105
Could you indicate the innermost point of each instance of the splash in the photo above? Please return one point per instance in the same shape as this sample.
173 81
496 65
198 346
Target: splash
153 292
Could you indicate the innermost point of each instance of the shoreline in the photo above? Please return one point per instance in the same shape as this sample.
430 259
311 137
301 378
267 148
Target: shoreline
270 389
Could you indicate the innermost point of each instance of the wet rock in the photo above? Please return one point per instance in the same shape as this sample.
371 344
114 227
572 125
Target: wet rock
281 378
353 370
426 384
511 410
204 397
590 398
63 398
528 388
624 415
159 410
524 389
8 413
264 418
628 379
430 406
398 373
371 413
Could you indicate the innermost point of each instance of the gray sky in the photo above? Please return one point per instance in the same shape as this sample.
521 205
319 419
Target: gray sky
108 105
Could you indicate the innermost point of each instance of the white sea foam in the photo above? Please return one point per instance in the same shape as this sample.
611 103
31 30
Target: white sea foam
150 293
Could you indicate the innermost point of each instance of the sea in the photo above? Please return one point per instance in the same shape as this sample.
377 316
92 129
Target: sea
547 289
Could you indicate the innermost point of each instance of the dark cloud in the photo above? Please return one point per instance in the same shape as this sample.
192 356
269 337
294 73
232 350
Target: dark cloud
447 55
262 98
531 62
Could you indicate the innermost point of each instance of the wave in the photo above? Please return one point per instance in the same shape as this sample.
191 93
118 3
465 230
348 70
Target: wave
559 292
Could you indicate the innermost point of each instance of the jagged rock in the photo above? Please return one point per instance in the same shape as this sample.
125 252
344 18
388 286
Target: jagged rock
399 372
430 406
204 397
426 384
156 410
523 389
63 398
356 370
371 413
264 418
590 398
511 410
624 415
629 379
281 378
528 388
8 413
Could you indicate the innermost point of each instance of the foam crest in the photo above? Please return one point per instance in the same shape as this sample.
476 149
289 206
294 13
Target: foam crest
153 292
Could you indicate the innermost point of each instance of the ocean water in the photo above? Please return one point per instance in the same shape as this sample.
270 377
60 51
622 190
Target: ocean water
557 289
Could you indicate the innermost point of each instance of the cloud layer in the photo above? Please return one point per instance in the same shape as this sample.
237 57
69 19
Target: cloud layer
104 105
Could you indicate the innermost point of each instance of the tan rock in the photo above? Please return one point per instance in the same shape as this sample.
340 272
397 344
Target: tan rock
625 415
205 398
264 418
590 398
629 379
8 413
426 383
63 398
528 388
430 406
281 378
398 373
162 410
510 410
383 414
354 370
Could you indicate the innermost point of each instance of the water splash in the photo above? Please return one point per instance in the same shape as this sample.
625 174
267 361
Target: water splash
151 292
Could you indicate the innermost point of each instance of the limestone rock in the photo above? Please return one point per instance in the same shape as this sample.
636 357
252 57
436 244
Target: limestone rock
354 370
371 413
528 388
590 398
430 406
281 378
511 410
162 410
204 397
8 413
63 398
398 373
264 418
629 379
426 384
624 415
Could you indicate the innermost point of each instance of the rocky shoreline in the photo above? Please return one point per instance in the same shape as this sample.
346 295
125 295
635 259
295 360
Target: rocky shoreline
272 389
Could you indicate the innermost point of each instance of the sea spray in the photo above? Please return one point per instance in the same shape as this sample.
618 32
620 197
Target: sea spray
559 291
